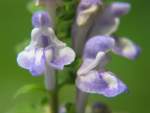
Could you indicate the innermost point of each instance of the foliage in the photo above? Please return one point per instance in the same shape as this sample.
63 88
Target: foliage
28 89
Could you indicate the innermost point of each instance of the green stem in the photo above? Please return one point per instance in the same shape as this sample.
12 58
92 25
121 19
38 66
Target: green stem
81 101
53 100
51 85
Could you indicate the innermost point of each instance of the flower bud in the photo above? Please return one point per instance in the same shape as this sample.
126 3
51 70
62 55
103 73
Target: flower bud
41 19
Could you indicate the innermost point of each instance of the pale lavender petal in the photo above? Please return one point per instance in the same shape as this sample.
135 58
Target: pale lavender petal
114 85
32 60
97 44
25 59
38 66
64 57
119 8
40 19
126 48
104 83
91 82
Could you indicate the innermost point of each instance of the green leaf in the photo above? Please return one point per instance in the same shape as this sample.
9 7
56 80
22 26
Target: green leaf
28 108
29 88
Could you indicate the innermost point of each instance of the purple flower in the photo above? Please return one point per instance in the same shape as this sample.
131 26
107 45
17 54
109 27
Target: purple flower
85 15
92 75
95 18
44 49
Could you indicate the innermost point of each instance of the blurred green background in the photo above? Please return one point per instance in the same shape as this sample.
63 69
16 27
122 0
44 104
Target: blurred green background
15 27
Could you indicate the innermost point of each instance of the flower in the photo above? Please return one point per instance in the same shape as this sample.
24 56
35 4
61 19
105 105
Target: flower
96 22
108 21
96 18
44 49
86 12
92 75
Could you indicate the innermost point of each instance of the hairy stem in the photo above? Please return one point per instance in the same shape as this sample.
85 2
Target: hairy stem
51 6
81 101
52 88
53 101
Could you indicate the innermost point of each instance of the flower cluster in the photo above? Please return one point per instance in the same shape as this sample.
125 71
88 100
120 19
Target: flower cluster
93 40
99 21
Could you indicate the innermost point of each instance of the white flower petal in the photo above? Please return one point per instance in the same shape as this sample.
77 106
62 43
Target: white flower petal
38 66
25 58
89 64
